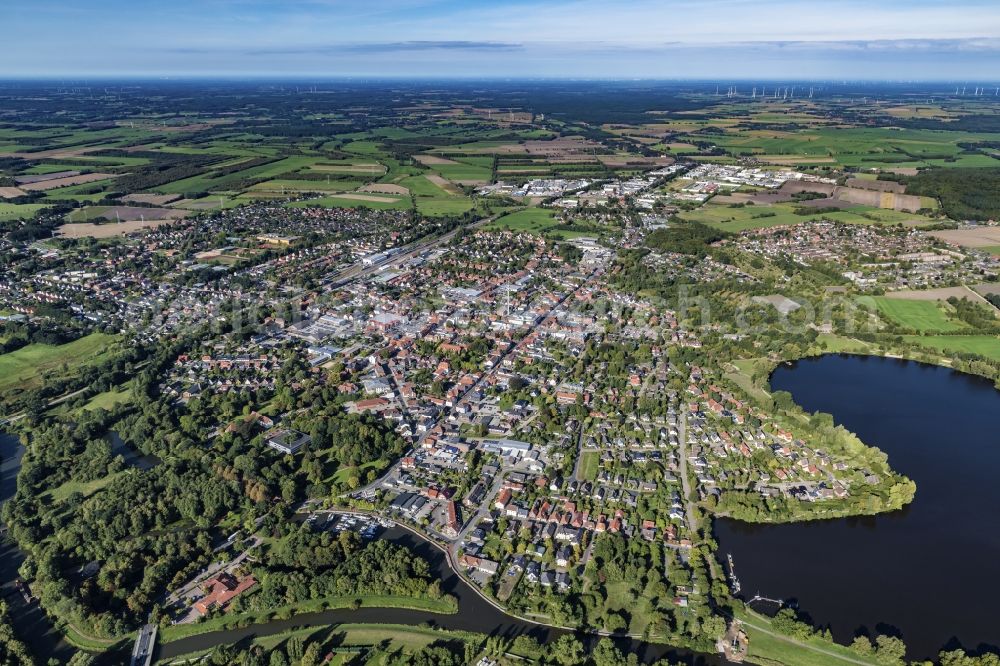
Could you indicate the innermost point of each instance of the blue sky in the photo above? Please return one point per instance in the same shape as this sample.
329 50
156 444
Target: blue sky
738 39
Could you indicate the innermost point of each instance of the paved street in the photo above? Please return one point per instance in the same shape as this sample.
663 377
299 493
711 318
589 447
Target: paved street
145 643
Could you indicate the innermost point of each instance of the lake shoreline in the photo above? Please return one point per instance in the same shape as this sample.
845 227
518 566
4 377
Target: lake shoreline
874 572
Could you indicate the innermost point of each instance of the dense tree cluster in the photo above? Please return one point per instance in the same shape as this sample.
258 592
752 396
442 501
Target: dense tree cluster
343 569
964 193
685 238
145 531
18 334
453 650
12 651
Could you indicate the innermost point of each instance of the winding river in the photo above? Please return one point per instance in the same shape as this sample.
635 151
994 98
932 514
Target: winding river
925 573
30 622
474 614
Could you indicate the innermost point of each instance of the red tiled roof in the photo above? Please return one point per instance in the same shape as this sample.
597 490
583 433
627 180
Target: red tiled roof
221 590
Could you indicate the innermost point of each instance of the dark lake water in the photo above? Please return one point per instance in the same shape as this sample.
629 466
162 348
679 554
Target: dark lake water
129 455
927 572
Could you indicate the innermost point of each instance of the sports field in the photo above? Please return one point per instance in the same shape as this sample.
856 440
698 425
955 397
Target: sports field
535 220
589 465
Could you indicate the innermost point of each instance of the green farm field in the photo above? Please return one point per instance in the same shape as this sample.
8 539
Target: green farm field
209 182
923 316
982 345
466 168
291 186
861 147
9 211
434 200
384 203
354 167
727 218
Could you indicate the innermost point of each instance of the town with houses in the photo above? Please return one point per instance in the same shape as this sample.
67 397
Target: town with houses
391 334
541 404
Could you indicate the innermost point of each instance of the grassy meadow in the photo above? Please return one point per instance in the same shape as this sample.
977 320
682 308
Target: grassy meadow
25 367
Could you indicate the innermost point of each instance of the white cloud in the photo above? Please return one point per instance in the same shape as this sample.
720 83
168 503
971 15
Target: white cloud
717 21
519 37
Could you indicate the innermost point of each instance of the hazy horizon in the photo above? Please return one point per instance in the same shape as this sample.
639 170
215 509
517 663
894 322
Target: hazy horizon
912 40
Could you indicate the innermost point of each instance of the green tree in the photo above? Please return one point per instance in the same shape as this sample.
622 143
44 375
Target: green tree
295 648
889 650
312 656
567 650
862 645
606 654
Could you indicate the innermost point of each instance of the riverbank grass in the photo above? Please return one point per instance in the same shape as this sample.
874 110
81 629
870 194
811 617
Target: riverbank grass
840 344
361 636
746 370
778 650
86 489
92 644
107 400
444 606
